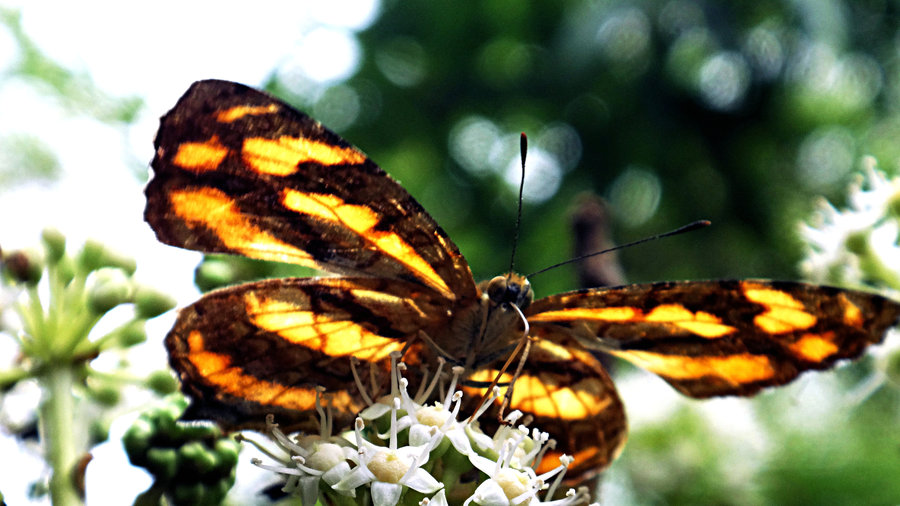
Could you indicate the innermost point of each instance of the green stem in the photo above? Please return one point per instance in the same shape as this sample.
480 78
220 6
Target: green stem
58 434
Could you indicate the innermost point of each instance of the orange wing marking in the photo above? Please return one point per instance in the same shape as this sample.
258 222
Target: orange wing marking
814 347
335 338
362 220
736 369
700 323
212 209
852 314
218 370
617 314
237 112
200 156
783 313
282 156
543 396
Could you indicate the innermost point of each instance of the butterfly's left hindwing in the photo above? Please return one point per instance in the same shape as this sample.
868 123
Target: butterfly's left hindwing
259 348
710 338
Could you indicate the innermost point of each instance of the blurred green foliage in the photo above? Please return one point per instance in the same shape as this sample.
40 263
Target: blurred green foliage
740 112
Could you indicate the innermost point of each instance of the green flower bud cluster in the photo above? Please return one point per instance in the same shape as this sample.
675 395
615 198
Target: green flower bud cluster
59 298
191 463
82 288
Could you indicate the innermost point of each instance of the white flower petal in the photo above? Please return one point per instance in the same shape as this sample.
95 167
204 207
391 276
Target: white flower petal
489 493
419 434
460 441
480 439
309 489
421 481
376 410
386 494
360 475
483 464
439 499
336 473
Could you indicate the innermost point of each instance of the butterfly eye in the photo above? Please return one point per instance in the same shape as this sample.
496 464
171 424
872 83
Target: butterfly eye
502 290
496 289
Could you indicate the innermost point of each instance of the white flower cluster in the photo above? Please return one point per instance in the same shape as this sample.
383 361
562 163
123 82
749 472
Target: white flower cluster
367 466
861 244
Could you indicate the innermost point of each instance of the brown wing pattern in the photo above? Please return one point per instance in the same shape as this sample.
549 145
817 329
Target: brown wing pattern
237 171
246 351
713 338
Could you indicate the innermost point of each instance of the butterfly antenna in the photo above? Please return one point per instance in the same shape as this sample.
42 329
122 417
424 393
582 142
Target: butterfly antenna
680 230
523 149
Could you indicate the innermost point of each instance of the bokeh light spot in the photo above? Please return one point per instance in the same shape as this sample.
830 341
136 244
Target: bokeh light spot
826 157
765 51
471 141
402 61
679 16
563 142
338 107
542 173
504 60
723 80
624 36
634 196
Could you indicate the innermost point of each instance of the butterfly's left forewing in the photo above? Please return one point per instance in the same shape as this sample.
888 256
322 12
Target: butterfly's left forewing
238 171
710 338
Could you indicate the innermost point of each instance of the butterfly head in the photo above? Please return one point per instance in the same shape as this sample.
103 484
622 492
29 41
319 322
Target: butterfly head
510 289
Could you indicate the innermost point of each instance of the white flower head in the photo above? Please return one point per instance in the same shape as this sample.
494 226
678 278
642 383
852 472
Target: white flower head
510 485
387 470
860 244
305 460
383 466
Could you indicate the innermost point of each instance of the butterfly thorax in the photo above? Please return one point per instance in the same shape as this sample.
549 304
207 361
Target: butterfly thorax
489 327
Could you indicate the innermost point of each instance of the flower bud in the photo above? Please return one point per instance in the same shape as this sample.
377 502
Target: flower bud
109 288
106 395
197 457
95 255
65 270
213 273
162 462
162 382
131 334
24 266
54 244
148 303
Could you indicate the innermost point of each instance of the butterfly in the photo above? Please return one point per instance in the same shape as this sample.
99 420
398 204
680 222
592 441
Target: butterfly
237 171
